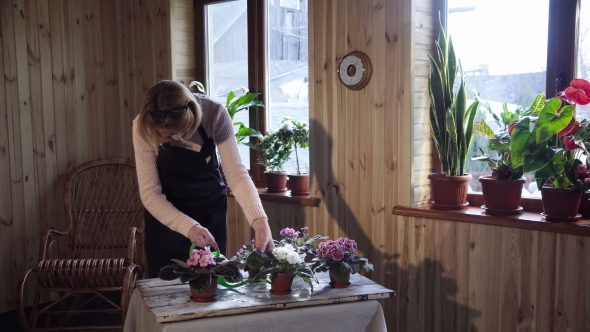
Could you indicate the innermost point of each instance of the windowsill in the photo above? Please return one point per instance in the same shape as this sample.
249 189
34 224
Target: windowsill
285 197
475 214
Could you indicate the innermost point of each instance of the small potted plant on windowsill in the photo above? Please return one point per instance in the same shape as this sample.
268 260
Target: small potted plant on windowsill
502 190
451 127
299 183
274 149
545 143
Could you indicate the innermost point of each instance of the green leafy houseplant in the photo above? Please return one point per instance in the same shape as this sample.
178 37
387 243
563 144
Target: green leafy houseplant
300 139
234 105
499 142
200 268
274 148
451 121
537 142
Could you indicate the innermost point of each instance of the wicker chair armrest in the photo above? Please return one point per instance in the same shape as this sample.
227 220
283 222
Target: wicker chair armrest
20 299
132 244
46 244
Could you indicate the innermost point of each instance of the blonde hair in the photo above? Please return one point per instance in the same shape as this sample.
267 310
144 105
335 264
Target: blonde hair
166 95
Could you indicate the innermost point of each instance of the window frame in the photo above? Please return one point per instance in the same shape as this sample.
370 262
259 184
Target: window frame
562 35
257 66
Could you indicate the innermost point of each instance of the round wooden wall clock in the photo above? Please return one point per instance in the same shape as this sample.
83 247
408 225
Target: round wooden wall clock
355 70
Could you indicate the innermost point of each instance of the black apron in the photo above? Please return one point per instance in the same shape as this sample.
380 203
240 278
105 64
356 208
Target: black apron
192 182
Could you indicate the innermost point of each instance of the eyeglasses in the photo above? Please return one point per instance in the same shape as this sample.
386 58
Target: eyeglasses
174 114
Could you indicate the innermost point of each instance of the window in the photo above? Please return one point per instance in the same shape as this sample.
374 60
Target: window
261 45
510 57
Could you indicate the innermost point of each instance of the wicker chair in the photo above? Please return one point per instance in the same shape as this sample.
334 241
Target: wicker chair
104 254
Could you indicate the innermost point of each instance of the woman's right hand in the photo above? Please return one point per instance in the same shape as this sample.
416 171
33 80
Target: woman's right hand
199 235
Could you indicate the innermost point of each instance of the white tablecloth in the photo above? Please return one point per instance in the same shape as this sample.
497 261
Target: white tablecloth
350 316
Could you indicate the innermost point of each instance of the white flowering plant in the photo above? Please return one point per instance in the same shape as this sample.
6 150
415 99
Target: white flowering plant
200 267
274 148
283 258
298 239
288 256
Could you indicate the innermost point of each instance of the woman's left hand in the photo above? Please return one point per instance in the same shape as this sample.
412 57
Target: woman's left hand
263 235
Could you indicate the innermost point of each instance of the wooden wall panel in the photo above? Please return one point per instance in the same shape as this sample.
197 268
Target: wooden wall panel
184 56
75 73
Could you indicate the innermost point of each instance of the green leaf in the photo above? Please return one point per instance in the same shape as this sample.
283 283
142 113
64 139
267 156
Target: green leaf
188 276
541 158
201 284
255 260
550 122
179 262
537 105
168 272
518 143
482 129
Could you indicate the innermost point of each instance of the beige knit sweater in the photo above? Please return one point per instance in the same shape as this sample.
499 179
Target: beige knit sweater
217 125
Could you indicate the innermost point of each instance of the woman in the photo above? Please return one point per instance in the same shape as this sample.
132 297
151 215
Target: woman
174 138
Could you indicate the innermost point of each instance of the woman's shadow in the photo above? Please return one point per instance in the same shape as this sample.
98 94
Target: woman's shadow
405 312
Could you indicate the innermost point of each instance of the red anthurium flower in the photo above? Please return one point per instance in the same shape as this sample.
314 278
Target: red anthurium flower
579 92
511 127
568 128
568 141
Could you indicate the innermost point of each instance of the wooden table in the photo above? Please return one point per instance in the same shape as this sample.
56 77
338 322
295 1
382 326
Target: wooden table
159 302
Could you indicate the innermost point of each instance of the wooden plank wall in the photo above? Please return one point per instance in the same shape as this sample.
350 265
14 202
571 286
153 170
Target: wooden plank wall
184 41
422 159
75 73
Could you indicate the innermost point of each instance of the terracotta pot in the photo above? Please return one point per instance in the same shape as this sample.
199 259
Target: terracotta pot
280 283
448 192
276 182
501 197
254 273
209 295
560 205
299 184
336 284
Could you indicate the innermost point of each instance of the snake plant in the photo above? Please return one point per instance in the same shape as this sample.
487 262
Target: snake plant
451 121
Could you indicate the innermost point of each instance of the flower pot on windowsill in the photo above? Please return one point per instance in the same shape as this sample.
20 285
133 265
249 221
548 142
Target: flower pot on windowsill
209 295
448 192
501 197
560 204
276 182
299 184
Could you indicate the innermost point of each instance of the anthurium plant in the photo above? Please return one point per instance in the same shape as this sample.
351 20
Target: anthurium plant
451 120
200 267
544 140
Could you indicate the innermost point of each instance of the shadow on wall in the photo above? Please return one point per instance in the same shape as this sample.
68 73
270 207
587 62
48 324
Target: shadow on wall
424 295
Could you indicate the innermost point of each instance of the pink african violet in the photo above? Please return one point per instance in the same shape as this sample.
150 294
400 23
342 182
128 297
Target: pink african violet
289 232
201 258
331 249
